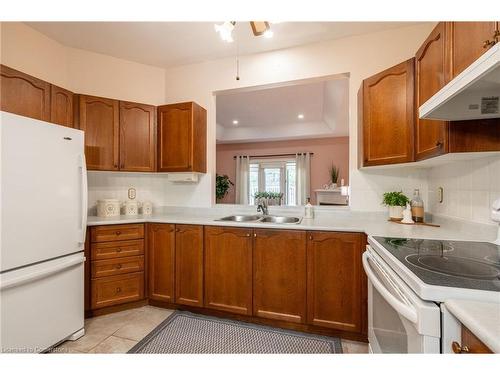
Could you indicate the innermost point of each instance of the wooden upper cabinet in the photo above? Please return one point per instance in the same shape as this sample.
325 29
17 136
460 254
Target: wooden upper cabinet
99 119
189 265
137 137
24 95
467 42
387 115
182 138
61 106
432 73
228 269
335 294
280 275
161 256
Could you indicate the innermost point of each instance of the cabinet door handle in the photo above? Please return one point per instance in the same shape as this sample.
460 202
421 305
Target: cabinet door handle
310 238
458 349
439 144
118 290
255 234
248 234
488 43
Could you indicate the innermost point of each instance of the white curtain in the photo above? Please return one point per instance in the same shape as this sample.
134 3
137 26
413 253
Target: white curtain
242 179
303 177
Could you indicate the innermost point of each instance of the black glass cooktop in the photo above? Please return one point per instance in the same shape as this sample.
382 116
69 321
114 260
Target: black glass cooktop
461 264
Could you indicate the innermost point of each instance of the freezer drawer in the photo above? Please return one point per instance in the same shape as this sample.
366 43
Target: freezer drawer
41 305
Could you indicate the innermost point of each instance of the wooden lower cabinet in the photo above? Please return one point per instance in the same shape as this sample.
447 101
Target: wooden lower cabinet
189 265
114 290
228 269
117 263
334 280
161 261
470 344
279 258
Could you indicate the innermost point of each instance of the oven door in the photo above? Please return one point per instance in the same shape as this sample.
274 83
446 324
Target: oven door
398 320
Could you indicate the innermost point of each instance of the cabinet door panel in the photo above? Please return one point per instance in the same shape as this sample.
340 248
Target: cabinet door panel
61 106
189 265
432 73
24 95
334 280
388 116
228 269
175 138
161 255
280 275
137 137
467 43
99 120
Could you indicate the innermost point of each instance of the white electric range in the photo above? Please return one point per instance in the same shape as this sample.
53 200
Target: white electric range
408 281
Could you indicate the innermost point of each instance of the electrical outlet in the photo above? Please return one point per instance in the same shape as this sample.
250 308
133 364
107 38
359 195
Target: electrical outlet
131 193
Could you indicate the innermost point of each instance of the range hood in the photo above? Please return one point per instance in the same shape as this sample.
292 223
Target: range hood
473 94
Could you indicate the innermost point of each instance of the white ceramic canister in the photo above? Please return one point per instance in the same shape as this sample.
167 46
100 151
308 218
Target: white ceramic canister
147 208
131 208
108 207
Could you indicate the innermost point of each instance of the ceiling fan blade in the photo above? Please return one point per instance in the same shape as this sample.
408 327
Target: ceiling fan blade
259 27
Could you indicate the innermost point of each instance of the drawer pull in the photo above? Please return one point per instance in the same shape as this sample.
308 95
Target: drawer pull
118 290
118 266
457 348
118 232
119 250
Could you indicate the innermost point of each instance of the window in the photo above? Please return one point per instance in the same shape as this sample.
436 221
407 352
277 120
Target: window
273 176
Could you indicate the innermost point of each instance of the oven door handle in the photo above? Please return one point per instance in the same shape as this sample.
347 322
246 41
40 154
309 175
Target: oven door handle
402 308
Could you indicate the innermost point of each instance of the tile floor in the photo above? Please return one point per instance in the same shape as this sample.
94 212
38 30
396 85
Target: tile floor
119 332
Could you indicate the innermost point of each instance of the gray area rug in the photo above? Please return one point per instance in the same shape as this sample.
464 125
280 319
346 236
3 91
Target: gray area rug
187 333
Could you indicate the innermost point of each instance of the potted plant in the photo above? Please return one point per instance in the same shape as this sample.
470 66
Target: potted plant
222 186
396 201
334 176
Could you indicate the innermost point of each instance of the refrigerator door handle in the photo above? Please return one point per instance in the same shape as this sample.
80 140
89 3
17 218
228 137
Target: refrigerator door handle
83 199
41 274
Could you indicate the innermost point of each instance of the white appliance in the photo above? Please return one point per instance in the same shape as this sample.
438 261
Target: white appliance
43 223
410 279
473 94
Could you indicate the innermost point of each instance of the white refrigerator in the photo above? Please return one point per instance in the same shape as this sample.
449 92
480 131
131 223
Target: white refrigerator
43 189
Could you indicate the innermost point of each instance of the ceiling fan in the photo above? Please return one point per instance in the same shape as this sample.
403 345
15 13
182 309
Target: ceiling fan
259 28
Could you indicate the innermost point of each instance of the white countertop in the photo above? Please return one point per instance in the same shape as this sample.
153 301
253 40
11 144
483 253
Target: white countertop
341 219
481 318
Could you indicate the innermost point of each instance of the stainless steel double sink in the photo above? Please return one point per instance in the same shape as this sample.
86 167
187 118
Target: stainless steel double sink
273 219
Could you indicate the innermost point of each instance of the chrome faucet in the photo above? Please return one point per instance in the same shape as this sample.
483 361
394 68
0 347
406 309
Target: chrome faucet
262 207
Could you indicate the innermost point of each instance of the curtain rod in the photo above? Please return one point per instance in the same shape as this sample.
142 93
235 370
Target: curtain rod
274 155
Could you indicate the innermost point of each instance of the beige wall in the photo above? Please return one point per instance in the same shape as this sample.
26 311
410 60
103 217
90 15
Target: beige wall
29 51
360 56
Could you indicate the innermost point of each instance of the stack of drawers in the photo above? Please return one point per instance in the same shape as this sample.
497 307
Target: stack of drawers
117 264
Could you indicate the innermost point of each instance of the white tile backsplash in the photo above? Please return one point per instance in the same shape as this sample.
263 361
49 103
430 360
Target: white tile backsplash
470 187
149 186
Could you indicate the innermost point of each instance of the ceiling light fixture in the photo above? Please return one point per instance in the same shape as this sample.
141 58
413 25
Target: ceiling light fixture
225 30
235 122
300 116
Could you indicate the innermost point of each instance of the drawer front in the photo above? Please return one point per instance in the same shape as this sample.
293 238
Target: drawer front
117 232
109 250
114 290
117 266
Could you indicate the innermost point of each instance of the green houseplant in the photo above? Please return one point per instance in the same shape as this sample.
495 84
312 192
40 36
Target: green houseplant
222 186
396 201
334 175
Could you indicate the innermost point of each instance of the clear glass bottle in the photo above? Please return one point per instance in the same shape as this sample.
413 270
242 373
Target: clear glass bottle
417 207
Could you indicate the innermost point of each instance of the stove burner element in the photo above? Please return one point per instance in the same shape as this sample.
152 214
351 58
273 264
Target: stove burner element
455 266
422 246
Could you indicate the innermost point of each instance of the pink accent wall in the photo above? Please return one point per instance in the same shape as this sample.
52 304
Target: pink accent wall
326 151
